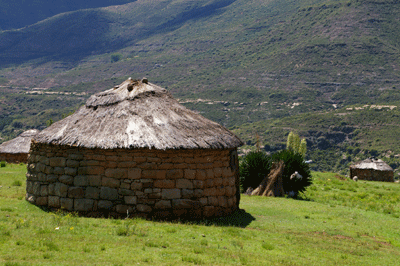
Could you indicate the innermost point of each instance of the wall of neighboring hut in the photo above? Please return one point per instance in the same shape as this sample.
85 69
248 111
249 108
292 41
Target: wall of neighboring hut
14 157
372 175
164 184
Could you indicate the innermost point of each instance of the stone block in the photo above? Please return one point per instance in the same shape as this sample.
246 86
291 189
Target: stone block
40 167
105 205
198 193
154 174
171 193
36 188
154 195
73 163
58 170
91 170
135 173
98 157
217 181
198 183
94 180
54 202
187 193
174 174
81 181
42 177
136 186
130 200
143 208
44 190
52 189
125 185
209 211
129 164
201 174
209 183
92 193
189 174
203 201
76 192
184 183
108 164
84 205
229 191
108 193
66 179
209 192
61 190
210 173
223 202
117 173
110 182
163 204
227 172
58 161
148 190
232 181
125 209
166 166
48 170
52 178
139 159
29 187
126 192
213 201
75 156
41 201
185 204
164 183
217 172
70 171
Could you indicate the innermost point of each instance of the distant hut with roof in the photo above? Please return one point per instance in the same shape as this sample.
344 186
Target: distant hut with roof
372 170
134 149
17 149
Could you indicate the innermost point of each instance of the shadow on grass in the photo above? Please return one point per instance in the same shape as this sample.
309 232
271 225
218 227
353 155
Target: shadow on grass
239 218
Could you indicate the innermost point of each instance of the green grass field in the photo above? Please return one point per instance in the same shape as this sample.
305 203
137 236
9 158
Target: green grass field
338 222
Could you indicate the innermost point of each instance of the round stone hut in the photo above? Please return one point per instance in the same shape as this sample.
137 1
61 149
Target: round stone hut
373 170
135 150
17 150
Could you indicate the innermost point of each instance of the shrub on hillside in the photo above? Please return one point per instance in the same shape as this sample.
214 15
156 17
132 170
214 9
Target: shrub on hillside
293 162
3 164
253 168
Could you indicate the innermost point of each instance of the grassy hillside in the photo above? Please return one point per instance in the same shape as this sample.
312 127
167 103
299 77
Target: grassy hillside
335 139
18 13
340 223
234 61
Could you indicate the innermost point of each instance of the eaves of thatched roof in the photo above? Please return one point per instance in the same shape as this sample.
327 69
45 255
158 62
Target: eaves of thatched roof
372 164
137 114
20 144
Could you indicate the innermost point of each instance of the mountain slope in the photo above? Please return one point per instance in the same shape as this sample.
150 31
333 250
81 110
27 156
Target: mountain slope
19 13
235 61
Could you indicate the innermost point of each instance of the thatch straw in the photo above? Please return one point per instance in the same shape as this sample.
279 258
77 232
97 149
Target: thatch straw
373 164
137 114
20 144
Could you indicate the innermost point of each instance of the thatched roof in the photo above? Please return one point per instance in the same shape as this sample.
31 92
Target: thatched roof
20 144
137 114
373 164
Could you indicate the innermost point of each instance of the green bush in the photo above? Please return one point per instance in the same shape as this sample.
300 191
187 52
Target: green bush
253 168
3 164
293 162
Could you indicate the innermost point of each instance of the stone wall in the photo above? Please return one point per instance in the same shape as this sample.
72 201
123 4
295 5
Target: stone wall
150 183
14 157
372 175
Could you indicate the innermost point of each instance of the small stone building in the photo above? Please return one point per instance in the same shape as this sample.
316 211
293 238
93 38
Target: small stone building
17 150
135 150
372 170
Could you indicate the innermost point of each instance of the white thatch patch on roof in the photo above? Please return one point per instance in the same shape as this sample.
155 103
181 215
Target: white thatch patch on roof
20 144
137 114
373 164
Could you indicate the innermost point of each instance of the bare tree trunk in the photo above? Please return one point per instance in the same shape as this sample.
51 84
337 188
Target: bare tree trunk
272 185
